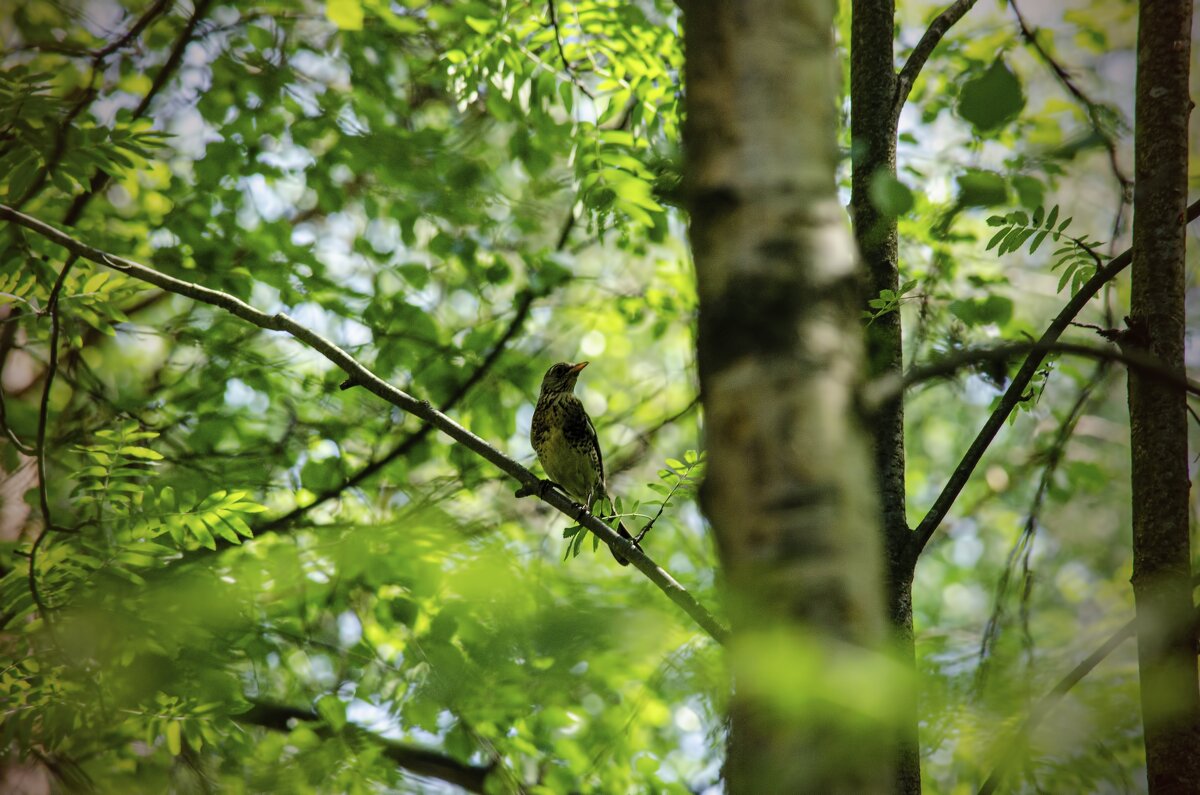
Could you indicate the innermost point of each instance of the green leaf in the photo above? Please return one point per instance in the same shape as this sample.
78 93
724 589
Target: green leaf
978 188
480 25
995 309
133 451
992 99
222 530
889 195
95 281
346 14
174 737
333 711
996 238
321 475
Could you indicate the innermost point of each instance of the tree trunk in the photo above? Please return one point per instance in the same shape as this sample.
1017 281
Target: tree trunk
873 134
1158 415
790 487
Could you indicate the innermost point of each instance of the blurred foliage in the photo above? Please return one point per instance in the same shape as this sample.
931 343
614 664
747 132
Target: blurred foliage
459 193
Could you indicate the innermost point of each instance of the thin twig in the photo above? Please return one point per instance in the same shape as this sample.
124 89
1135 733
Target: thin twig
143 21
40 447
574 78
1092 108
662 506
100 179
925 47
1023 547
420 408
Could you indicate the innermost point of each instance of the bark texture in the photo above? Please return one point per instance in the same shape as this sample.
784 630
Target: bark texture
874 107
1158 420
789 487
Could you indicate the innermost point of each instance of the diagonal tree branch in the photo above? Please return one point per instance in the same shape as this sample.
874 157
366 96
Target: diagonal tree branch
412 758
524 303
101 179
530 484
155 10
925 47
1012 396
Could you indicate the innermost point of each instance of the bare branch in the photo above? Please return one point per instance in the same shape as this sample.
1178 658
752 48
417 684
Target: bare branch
40 444
143 21
562 55
1093 108
419 408
1012 396
1051 457
101 53
925 47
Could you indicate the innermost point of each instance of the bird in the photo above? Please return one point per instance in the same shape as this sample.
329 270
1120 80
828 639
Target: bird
565 441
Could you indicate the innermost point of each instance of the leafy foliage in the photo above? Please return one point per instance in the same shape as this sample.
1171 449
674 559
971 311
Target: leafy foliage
1078 258
991 99
681 480
888 301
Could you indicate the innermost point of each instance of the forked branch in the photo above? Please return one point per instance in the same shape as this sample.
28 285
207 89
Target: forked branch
361 375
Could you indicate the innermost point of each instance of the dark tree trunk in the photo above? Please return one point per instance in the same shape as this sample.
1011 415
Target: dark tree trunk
790 483
873 119
1158 414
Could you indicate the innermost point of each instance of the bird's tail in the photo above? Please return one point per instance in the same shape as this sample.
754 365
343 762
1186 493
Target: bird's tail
622 531
624 534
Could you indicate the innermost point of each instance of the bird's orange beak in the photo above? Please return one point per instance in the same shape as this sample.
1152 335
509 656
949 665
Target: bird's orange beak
575 369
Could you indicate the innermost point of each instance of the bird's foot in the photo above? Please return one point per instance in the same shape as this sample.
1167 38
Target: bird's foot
540 488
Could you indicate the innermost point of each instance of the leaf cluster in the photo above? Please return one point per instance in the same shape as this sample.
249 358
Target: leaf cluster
1078 257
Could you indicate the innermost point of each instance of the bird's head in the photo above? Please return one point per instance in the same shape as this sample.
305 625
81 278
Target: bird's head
561 377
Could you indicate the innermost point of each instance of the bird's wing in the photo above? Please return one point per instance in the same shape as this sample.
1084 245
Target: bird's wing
595 440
